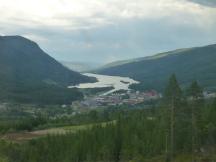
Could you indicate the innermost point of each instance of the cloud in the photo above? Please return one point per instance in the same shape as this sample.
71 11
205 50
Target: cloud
126 40
209 3
108 30
76 14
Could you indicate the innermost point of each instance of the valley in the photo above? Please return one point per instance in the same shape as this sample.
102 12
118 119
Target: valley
108 81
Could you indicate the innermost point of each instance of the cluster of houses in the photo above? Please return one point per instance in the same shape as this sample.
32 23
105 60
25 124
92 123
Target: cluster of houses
207 94
129 98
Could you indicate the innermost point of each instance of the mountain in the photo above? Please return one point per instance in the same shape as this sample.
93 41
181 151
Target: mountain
188 64
80 66
28 74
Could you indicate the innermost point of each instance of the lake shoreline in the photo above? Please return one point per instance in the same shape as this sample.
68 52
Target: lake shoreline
103 81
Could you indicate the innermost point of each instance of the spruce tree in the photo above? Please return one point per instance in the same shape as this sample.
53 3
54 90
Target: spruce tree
172 96
195 95
195 91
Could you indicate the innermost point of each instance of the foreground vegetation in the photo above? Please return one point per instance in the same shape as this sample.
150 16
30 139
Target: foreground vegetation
181 128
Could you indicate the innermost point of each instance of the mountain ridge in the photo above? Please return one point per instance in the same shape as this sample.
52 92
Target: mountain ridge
11 47
197 63
25 68
158 55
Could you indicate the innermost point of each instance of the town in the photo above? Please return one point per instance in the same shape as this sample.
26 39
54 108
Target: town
130 97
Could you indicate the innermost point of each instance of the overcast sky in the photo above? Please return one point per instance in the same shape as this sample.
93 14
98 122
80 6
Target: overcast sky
109 30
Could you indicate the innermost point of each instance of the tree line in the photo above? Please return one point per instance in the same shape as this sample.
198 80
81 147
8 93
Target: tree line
182 127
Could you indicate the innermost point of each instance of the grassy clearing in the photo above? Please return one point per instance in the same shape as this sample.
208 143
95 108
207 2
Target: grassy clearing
87 126
23 136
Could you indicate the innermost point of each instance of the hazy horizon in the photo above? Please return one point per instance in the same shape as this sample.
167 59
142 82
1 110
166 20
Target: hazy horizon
105 31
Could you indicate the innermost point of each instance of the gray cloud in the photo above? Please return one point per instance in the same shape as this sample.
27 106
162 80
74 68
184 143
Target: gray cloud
123 40
105 38
209 3
127 39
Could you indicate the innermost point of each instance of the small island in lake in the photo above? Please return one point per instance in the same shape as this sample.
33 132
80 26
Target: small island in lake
124 82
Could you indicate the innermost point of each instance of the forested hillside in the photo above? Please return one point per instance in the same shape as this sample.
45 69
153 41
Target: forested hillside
180 128
188 64
28 74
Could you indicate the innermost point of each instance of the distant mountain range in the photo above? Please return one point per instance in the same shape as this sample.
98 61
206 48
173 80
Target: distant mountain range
28 74
80 66
188 64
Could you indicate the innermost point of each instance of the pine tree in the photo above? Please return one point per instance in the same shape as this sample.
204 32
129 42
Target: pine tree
173 96
195 94
195 91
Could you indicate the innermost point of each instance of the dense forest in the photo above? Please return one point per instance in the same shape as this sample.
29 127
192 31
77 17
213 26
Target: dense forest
181 128
39 93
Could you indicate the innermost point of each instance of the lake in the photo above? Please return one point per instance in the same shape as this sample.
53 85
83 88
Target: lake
117 82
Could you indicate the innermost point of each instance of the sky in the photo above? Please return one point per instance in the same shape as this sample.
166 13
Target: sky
103 31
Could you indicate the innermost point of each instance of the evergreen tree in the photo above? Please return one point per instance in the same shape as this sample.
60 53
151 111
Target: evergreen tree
195 95
195 92
173 96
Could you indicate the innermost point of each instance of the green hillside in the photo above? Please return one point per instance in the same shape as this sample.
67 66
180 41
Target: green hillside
28 74
188 64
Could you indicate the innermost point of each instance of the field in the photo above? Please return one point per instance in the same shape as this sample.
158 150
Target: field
25 135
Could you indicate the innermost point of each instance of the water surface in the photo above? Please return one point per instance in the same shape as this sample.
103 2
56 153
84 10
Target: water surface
117 82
